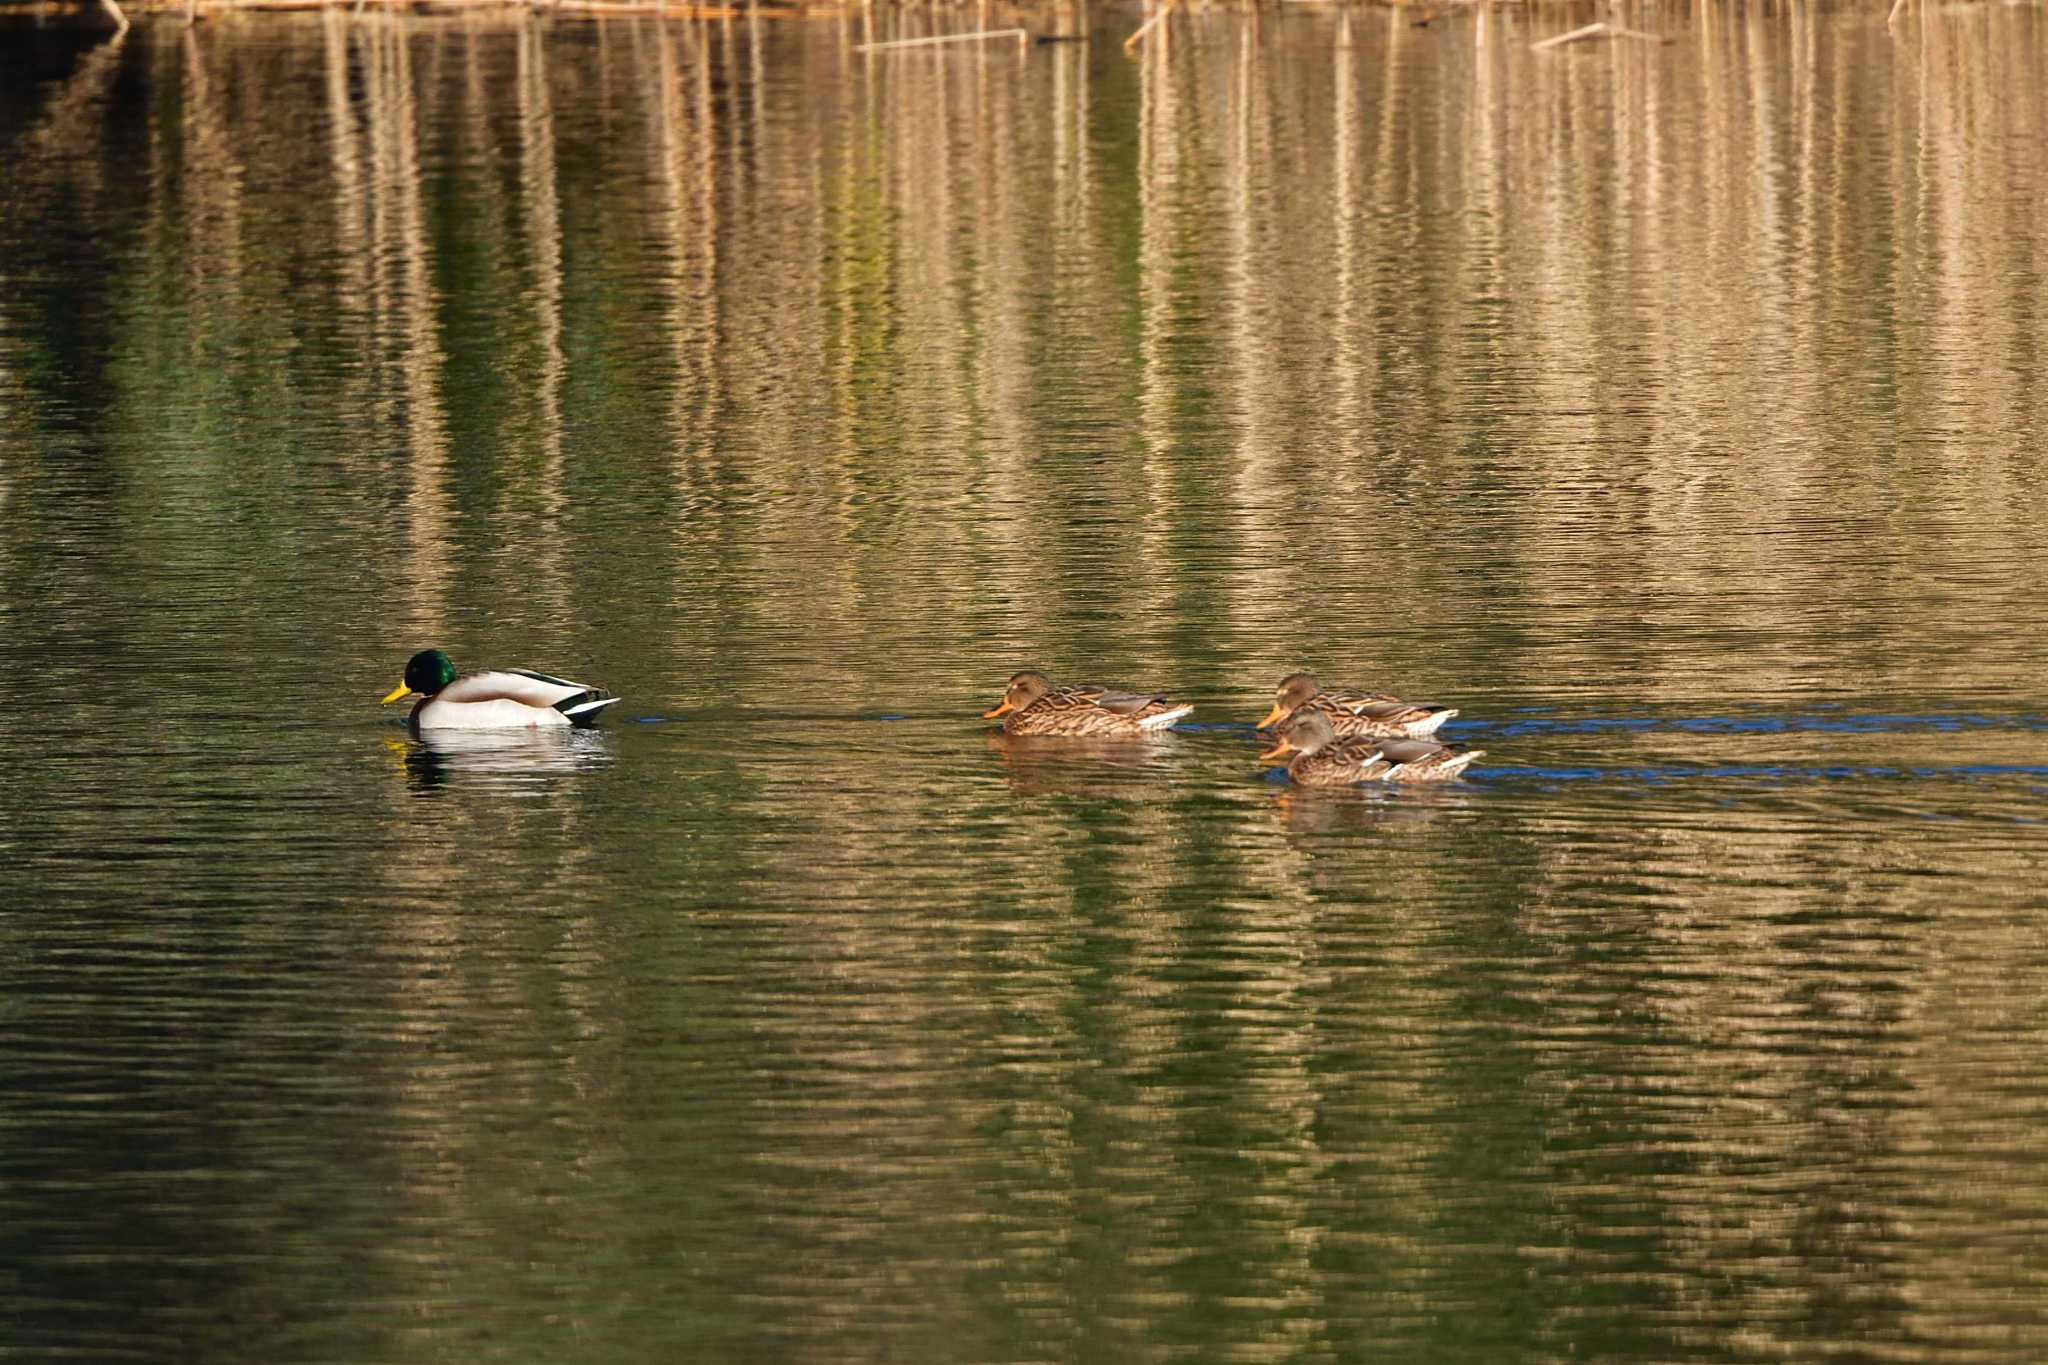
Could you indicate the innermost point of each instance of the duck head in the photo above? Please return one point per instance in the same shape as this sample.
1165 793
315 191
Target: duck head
1294 689
1025 688
426 673
1304 732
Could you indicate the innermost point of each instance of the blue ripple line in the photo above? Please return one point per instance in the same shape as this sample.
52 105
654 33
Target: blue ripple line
1770 725
1676 772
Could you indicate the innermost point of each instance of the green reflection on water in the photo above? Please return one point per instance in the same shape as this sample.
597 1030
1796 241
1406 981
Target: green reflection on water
1671 410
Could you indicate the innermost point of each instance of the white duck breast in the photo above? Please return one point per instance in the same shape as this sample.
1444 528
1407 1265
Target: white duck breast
512 698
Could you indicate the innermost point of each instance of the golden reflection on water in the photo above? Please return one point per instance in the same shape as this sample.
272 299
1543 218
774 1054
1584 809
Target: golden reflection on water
1634 379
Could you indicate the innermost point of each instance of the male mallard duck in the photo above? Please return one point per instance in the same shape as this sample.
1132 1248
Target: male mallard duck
1356 713
1034 705
1321 759
510 698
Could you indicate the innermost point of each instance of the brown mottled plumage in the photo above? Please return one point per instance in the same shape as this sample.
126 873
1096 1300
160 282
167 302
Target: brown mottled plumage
1353 712
1321 759
1033 704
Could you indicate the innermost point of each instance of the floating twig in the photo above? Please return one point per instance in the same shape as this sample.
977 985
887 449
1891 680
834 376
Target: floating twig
1143 29
1593 30
1598 30
1022 35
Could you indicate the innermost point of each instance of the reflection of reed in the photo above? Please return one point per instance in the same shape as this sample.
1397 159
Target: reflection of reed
541 212
1349 324
55 145
1545 292
345 154
74 118
686 167
1162 370
213 255
401 298
1253 322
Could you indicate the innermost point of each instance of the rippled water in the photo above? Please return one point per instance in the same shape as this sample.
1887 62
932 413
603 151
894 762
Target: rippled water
1673 410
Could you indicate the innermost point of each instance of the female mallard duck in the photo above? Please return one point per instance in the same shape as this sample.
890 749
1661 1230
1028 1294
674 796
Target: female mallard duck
1351 712
1321 759
1034 705
510 698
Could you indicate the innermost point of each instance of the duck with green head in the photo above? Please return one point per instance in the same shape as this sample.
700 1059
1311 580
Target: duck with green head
512 698
1320 758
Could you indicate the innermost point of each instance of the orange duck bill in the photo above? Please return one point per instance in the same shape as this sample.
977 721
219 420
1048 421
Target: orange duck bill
1004 709
1277 713
1280 750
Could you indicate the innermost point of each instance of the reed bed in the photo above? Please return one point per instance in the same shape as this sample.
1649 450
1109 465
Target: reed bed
1067 20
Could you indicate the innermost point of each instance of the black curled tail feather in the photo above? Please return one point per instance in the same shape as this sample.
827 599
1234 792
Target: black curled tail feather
582 708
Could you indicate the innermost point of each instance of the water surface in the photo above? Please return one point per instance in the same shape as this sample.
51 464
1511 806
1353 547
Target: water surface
1673 410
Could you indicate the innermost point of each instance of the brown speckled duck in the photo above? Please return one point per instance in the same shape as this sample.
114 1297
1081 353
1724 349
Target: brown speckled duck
1035 705
1352 712
1321 759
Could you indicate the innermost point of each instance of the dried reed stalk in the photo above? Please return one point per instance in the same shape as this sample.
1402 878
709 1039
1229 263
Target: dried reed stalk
1022 35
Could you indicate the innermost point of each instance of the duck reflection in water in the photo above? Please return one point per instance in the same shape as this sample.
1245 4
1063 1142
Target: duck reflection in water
1047 766
515 761
1400 815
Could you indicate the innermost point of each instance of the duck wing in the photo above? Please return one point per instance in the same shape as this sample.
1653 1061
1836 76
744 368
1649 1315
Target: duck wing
578 701
1353 699
1122 703
1419 720
1339 764
1359 751
1409 750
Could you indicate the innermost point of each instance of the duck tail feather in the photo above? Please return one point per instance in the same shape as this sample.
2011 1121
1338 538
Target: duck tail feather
583 707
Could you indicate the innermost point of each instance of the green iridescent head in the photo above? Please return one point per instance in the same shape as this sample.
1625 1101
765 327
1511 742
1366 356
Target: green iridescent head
426 673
